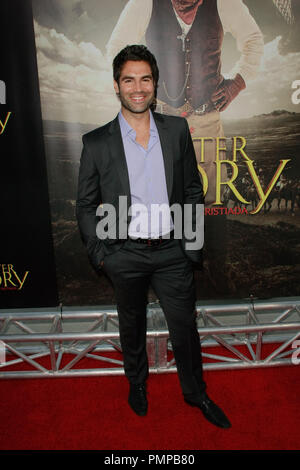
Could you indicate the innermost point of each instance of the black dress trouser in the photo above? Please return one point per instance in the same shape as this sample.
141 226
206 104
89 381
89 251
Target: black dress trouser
132 269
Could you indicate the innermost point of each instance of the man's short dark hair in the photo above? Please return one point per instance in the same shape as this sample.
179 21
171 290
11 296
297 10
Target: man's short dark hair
135 53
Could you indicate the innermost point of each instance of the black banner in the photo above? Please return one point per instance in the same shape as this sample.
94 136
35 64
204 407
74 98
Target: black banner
27 268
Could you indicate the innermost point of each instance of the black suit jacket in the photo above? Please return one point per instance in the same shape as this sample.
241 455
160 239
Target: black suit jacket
103 177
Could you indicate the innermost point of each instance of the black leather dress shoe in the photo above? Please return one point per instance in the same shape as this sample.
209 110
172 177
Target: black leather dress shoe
211 411
137 399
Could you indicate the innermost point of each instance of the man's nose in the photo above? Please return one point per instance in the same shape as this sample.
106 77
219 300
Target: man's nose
138 86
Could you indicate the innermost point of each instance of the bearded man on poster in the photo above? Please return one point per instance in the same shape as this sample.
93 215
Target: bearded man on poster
186 37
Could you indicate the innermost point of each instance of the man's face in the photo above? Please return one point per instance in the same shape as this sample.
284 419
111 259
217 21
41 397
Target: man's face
136 87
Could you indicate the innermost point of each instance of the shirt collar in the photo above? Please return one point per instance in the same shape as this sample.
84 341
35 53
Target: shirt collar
126 129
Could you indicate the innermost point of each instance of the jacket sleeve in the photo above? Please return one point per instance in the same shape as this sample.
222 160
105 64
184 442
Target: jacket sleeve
88 200
131 26
193 201
248 35
193 190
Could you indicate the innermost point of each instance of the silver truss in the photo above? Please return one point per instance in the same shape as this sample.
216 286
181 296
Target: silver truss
248 334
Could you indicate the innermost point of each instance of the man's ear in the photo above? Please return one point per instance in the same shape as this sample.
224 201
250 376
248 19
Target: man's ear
116 87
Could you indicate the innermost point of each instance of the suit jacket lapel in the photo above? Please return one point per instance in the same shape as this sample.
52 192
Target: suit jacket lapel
116 147
166 145
118 154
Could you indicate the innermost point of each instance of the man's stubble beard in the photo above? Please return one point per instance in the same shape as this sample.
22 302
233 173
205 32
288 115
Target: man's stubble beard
131 107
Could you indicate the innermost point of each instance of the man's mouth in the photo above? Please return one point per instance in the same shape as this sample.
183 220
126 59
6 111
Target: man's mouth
138 99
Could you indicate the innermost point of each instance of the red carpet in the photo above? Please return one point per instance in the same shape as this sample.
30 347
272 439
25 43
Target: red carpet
92 413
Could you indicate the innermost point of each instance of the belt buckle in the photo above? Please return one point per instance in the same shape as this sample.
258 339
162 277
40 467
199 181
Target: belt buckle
201 109
154 242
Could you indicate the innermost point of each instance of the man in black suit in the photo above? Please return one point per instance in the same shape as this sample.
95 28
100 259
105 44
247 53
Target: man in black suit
148 160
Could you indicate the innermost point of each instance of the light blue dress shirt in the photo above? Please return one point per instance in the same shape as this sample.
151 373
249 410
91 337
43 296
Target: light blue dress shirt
150 209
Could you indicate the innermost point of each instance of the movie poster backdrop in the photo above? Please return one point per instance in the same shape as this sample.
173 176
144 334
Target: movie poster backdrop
257 244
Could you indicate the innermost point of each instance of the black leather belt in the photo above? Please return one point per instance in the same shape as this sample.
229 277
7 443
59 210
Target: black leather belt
153 241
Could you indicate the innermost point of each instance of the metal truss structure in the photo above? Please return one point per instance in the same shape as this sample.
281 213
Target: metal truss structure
76 342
